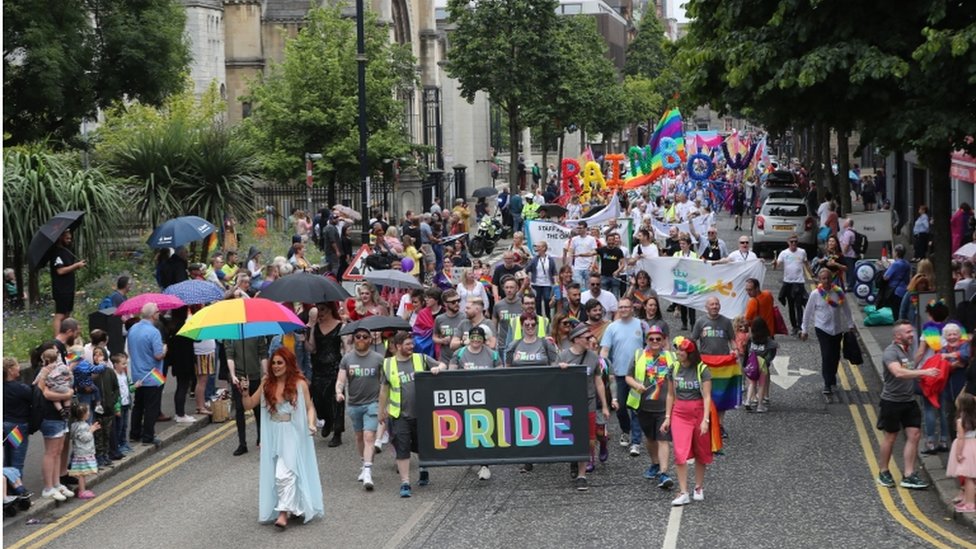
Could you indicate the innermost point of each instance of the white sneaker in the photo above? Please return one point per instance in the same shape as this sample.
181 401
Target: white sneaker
54 494
682 499
65 492
698 494
362 473
385 439
484 473
634 450
368 478
624 439
185 419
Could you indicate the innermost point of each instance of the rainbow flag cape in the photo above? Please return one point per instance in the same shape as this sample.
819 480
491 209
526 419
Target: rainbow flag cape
726 380
15 437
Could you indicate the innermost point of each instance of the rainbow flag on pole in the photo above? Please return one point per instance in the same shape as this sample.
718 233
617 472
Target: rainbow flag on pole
671 126
726 380
15 437
211 244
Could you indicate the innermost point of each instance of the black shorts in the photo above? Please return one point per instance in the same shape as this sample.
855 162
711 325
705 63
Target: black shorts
650 423
895 416
404 436
64 303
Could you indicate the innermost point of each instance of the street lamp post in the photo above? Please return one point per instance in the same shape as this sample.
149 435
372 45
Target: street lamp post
363 168
309 157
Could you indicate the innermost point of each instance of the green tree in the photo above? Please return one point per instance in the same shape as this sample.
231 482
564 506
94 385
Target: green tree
37 185
65 58
870 66
308 103
178 159
505 49
646 55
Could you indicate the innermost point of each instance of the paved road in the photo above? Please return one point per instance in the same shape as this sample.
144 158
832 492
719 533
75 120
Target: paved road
801 475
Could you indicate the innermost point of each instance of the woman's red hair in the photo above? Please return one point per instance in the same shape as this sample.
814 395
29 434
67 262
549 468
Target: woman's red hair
292 376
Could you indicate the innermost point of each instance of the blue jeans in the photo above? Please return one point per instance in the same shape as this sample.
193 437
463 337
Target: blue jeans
933 415
15 457
626 416
303 359
610 284
580 276
542 296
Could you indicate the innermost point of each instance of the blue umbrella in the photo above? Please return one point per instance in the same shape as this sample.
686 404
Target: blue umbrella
180 231
195 292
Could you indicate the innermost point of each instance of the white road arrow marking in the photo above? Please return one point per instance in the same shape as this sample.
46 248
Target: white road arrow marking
781 375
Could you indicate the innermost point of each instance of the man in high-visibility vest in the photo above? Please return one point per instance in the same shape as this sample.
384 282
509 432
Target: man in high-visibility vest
397 398
515 322
647 378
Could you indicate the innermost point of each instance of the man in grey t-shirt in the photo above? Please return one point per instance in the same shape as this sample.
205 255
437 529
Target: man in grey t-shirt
713 334
507 308
447 323
359 373
898 409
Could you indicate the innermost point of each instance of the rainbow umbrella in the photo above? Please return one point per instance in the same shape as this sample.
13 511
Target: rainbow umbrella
133 305
241 319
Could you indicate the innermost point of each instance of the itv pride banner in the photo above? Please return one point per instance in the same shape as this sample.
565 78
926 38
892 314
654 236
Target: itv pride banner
512 415
690 282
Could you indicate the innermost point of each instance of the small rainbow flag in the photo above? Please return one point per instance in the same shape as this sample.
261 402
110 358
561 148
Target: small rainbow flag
15 437
157 375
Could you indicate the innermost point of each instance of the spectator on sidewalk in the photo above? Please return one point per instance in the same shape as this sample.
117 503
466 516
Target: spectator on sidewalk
898 410
849 255
897 276
920 233
146 353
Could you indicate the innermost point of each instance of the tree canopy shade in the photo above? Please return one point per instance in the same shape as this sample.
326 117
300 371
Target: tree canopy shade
308 103
64 58
902 72
505 49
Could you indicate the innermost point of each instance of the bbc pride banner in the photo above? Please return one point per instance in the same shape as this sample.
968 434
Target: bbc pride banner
690 282
511 415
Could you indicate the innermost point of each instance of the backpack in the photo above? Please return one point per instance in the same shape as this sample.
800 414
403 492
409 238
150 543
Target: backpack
754 366
860 244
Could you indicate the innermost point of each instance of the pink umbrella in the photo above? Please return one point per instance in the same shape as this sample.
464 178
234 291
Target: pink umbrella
133 305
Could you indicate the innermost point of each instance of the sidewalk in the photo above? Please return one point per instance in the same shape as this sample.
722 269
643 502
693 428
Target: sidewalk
874 340
169 433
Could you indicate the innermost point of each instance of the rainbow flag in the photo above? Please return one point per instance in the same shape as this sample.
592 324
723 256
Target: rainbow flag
211 244
157 375
715 429
15 437
671 126
726 380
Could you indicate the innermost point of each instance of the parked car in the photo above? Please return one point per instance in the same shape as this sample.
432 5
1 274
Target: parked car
779 218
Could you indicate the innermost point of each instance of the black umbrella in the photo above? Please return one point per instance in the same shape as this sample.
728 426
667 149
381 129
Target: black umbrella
484 192
180 231
376 324
41 245
553 210
304 288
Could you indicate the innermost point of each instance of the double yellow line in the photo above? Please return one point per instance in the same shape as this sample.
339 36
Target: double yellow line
110 497
916 522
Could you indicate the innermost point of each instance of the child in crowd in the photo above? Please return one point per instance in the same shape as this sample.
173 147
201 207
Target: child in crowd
962 457
741 327
85 386
761 352
83 463
120 362
106 443
59 380
410 250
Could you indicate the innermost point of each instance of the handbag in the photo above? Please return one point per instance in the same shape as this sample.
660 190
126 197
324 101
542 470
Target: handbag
852 349
780 324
